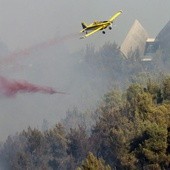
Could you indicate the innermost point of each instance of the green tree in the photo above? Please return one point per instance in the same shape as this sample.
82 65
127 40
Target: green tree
155 90
57 144
166 88
92 163
151 149
113 130
78 144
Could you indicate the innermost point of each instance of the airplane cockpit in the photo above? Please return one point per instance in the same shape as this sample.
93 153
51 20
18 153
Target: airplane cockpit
95 22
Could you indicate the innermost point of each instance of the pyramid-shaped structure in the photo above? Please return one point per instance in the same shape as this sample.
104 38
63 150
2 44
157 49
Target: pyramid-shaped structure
135 39
164 37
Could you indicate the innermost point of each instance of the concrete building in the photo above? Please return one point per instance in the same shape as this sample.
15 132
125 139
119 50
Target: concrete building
164 37
135 40
151 46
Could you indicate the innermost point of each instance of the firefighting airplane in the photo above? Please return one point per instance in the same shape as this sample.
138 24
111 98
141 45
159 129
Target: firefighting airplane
98 25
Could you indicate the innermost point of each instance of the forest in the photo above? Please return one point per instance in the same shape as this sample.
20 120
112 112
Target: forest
129 129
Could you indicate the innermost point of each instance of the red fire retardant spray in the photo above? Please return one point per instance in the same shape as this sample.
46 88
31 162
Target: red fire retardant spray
10 88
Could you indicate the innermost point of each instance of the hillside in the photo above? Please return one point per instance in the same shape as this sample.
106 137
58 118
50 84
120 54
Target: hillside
131 131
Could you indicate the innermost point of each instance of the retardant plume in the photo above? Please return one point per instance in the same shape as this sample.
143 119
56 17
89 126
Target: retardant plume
10 88
25 52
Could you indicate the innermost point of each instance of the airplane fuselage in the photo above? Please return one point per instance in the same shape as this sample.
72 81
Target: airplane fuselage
97 24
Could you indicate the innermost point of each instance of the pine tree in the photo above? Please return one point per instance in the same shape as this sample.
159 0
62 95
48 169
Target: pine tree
92 163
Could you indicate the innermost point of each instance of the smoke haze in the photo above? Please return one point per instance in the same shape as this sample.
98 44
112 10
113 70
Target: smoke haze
27 51
40 44
28 22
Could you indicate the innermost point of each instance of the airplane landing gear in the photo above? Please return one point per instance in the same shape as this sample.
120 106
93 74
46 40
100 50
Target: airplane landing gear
103 32
110 28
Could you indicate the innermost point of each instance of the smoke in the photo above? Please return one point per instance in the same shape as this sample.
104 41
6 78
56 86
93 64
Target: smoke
10 88
27 51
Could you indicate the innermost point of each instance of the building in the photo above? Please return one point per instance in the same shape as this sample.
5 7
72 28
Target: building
135 40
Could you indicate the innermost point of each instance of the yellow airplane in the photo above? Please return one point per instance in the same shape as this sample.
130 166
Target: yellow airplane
98 25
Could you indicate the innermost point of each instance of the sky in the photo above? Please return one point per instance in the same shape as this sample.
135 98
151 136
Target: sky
25 23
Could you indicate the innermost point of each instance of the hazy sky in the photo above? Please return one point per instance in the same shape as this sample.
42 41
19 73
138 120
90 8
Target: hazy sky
27 22
24 23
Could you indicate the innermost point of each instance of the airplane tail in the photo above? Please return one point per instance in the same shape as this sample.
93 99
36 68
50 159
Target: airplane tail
83 25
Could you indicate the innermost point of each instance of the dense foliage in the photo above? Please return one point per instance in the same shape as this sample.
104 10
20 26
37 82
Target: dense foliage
130 128
132 131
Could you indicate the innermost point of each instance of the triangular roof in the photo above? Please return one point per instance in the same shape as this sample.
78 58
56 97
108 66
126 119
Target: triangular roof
135 39
164 36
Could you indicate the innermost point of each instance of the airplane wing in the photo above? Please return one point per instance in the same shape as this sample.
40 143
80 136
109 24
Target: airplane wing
115 16
92 32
